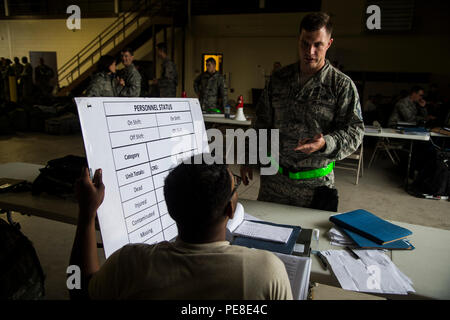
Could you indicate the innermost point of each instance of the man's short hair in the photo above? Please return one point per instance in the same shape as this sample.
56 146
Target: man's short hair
316 21
128 50
197 194
24 59
415 89
162 46
211 60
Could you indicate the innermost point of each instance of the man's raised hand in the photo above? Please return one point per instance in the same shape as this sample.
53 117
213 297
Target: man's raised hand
90 194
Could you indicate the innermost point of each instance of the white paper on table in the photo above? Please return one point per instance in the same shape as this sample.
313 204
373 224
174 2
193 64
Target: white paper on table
250 217
338 244
137 142
339 239
238 218
263 231
298 270
358 274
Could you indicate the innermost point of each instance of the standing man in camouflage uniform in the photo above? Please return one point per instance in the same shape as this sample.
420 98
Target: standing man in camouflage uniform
2 79
43 74
210 87
26 79
409 109
18 69
130 79
168 81
317 111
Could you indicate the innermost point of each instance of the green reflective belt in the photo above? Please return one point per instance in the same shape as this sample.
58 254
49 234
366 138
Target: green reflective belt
310 174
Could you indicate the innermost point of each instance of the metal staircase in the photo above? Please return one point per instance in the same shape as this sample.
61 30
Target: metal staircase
128 30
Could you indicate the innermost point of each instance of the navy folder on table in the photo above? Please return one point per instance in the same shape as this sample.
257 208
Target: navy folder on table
365 243
273 246
370 226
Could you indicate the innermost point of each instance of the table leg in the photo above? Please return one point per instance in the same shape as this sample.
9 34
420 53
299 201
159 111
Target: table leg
10 220
409 164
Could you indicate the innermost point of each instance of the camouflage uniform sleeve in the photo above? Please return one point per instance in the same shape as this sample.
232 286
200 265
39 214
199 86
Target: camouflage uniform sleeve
405 111
349 131
264 112
169 77
133 87
222 91
27 71
94 88
197 83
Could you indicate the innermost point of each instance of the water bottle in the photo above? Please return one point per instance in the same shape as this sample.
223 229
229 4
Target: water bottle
227 111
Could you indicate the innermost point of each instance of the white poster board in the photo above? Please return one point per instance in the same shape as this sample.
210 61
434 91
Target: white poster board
136 142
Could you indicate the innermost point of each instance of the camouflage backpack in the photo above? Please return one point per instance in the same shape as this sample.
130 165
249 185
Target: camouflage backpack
21 275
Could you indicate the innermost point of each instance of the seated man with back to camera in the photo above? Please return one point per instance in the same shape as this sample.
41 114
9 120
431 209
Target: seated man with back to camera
410 109
200 264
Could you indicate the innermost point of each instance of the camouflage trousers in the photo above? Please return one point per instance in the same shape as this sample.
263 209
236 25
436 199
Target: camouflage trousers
301 193
165 92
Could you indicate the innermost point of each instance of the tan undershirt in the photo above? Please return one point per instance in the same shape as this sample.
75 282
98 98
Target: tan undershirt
182 270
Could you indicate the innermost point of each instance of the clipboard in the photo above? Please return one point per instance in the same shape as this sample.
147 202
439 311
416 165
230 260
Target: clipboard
304 238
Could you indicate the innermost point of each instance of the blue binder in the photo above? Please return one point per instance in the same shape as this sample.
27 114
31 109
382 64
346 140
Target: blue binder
370 226
365 243
286 248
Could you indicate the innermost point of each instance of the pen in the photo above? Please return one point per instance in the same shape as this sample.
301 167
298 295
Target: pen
353 254
321 258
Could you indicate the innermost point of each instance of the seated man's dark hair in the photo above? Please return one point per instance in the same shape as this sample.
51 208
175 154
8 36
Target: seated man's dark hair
162 46
415 89
197 194
104 62
316 21
211 60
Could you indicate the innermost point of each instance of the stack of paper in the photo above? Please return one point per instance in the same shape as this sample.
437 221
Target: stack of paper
419 131
254 229
261 231
372 129
298 270
345 238
373 272
366 230
338 238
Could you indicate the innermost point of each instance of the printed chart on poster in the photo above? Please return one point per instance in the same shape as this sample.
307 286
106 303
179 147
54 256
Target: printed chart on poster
136 142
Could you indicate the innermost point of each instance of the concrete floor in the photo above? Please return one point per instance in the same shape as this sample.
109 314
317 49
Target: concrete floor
379 191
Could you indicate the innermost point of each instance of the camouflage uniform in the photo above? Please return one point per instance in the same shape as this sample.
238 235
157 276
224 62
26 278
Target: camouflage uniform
26 79
406 110
327 103
18 69
43 75
211 90
167 84
132 79
103 85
